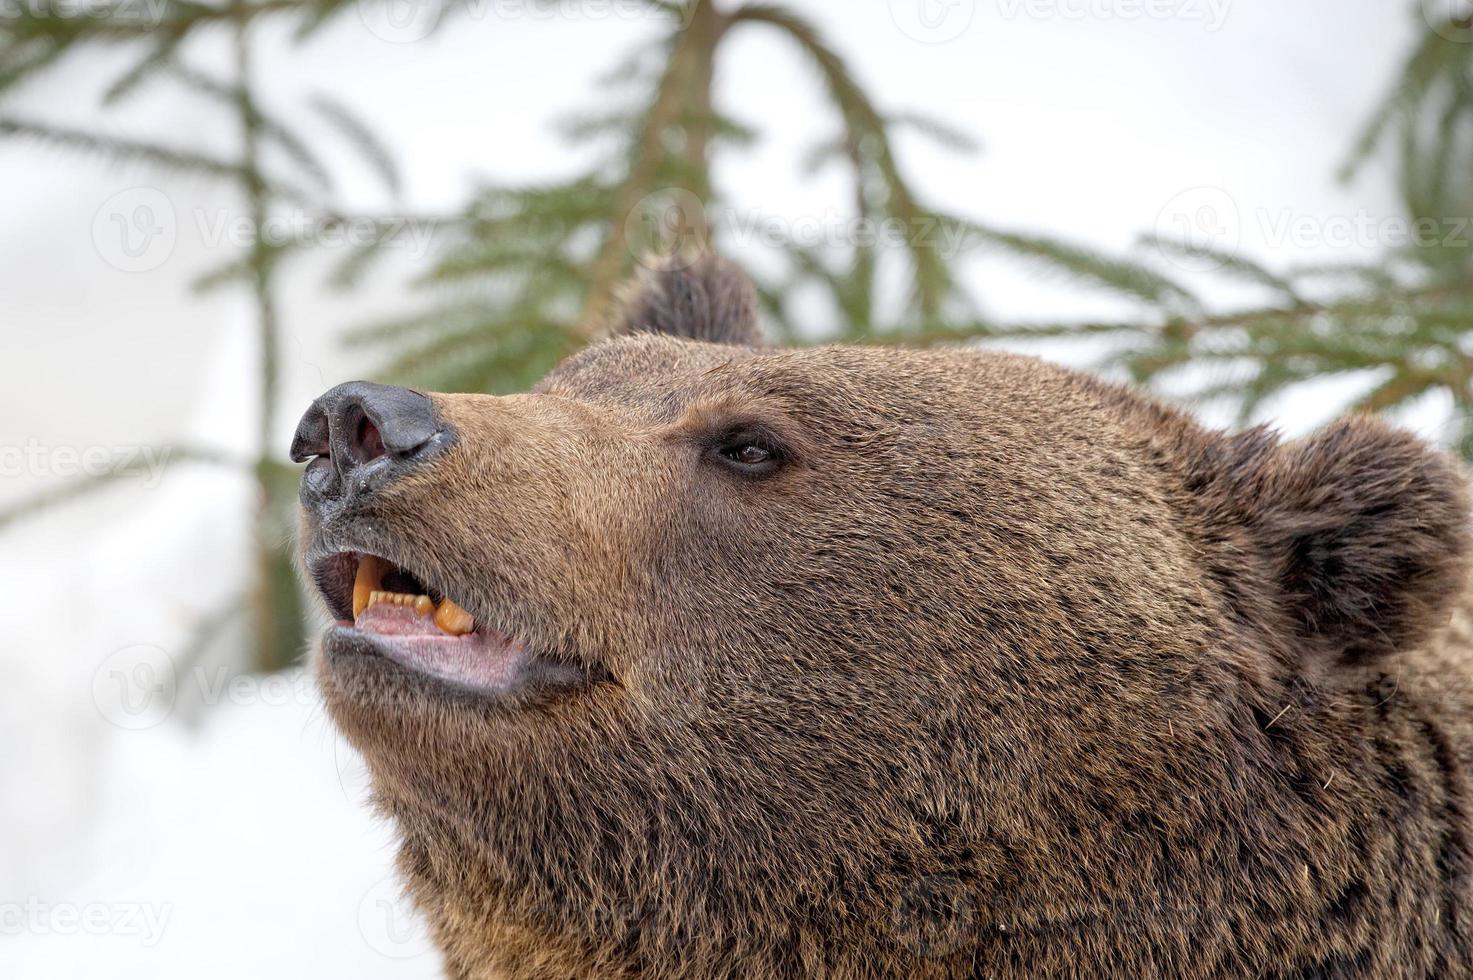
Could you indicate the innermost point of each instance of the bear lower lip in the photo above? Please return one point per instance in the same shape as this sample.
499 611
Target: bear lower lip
484 660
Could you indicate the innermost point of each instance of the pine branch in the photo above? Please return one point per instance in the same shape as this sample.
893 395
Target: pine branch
943 134
151 64
272 129
1435 59
608 265
362 138
122 149
1229 263
1128 279
931 277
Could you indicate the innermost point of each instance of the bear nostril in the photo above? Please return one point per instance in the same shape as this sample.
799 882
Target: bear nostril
377 420
367 442
357 423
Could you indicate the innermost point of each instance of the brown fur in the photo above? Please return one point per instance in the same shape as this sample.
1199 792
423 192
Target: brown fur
1008 673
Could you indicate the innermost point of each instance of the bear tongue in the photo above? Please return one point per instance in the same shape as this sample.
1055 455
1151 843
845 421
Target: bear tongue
391 620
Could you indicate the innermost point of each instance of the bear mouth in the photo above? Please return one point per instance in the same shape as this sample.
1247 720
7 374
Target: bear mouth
384 610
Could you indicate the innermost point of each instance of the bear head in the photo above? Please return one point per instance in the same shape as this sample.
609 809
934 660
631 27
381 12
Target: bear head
705 658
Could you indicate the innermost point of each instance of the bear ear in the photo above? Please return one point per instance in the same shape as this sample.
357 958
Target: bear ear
1365 530
701 297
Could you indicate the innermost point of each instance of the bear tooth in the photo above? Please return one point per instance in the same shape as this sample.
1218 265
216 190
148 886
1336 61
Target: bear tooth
424 605
371 571
453 619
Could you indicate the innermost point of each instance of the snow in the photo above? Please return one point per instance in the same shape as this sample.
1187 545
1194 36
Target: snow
242 849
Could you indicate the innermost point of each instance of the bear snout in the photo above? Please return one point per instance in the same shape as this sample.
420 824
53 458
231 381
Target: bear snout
359 437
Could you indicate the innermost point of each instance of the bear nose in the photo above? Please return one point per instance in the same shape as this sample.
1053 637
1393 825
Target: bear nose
355 425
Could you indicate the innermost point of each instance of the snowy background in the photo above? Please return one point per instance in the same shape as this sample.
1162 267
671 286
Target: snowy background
217 826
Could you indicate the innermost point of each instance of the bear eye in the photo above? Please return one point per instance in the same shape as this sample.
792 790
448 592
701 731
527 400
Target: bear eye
750 453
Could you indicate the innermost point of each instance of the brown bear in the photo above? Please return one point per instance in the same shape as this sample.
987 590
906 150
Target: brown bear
711 660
